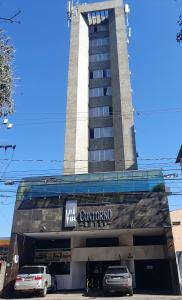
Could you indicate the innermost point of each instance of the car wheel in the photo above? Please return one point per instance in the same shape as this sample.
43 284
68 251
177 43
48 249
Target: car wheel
44 291
130 292
105 293
17 294
54 287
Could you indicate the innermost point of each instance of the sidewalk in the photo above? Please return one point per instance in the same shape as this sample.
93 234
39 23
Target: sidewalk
80 296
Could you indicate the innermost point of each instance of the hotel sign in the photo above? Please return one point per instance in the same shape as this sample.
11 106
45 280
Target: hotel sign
86 217
70 213
95 216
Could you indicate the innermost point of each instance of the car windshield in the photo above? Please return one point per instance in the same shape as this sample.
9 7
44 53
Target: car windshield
116 270
31 270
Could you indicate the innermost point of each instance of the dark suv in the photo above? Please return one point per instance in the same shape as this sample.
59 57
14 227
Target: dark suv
118 279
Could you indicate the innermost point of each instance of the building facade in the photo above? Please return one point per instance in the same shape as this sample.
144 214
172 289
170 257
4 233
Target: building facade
176 220
4 248
99 120
79 223
102 211
179 157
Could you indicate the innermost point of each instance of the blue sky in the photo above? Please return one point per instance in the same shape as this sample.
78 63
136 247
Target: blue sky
41 61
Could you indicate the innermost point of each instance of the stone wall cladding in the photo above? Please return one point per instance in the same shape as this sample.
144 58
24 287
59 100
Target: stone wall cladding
101 166
101 122
99 49
102 143
145 210
99 82
100 101
99 65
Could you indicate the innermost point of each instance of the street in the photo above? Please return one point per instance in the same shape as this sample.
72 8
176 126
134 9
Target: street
80 296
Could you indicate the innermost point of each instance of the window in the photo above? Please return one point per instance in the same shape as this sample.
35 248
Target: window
99 42
107 91
98 28
96 74
31 270
99 92
116 270
106 73
60 268
110 110
101 155
100 111
93 28
92 133
102 242
99 57
102 27
100 74
101 132
149 240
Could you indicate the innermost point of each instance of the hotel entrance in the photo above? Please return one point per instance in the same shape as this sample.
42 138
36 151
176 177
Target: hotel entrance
95 271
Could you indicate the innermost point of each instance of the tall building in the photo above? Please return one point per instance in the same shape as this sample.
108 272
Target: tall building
81 224
99 125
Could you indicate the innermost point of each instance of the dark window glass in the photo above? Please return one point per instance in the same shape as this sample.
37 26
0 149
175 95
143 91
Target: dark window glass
31 270
53 244
148 240
105 242
117 270
91 75
60 268
110 110
95 28
104 74
105 91
91 133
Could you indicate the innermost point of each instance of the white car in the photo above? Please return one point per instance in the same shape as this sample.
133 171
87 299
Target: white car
34 279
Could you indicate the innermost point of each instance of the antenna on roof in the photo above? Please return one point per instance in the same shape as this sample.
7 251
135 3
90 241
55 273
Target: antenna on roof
69 11
72 6
127 11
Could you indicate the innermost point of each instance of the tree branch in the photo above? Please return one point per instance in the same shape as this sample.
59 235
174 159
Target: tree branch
179 34
13 18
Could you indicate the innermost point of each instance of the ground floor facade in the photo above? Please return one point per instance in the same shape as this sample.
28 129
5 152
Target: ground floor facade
4 248
79 226
83 258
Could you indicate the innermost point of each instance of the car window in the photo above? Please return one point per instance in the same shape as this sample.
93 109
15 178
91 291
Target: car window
116 270
31 270
47 271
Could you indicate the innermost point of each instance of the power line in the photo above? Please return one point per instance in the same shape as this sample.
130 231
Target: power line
137 112
57 160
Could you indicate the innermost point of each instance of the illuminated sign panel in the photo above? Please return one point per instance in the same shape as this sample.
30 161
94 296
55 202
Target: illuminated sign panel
70 213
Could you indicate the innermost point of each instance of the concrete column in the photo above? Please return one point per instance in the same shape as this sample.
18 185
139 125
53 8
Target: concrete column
123 123
76 136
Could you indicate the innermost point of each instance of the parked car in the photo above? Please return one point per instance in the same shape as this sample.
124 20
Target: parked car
118 279
34 279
